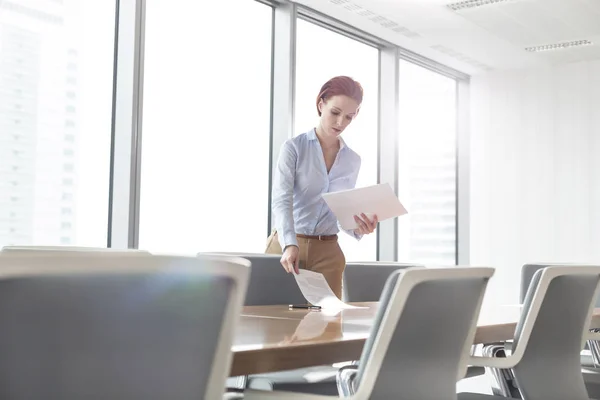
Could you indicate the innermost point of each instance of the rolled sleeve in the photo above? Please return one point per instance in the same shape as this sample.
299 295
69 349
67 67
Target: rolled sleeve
351 232
283 195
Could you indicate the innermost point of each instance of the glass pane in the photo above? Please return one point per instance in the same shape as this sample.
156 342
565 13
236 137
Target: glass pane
321 55
205 155
56 75
427 166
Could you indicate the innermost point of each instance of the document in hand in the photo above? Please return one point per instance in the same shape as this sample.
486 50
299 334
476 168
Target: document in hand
377 200
317 292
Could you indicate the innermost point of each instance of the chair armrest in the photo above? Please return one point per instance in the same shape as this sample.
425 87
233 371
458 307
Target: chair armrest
492 362
263 394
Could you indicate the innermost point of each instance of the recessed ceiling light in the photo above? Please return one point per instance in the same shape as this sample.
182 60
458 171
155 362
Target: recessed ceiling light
558 46
461 5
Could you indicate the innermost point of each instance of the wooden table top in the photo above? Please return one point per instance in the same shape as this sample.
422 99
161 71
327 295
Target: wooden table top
274 338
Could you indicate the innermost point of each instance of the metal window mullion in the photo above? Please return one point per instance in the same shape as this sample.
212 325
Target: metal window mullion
463 171
283 82
126 127
387 236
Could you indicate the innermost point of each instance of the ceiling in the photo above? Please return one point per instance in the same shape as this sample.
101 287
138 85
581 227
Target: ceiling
479 39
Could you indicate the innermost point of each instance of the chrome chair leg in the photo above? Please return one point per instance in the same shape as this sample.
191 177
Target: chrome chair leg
345 380
594 346
501 380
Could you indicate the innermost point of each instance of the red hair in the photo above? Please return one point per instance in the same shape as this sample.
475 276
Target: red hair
340 85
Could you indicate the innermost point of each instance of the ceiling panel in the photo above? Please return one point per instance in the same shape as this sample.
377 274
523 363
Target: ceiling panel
584 20
503 26
477 39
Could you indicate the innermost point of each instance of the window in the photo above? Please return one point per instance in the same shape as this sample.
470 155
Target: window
321 55
206 122
427 166
32 37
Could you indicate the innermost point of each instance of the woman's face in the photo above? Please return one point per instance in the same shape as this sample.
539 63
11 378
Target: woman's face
336 114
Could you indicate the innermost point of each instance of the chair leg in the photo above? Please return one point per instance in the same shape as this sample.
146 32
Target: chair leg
501 379
594 346
345 380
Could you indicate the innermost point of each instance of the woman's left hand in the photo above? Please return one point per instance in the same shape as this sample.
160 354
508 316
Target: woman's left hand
365 225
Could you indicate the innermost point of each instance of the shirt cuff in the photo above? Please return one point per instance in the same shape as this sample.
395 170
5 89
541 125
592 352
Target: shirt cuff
354 234
287 239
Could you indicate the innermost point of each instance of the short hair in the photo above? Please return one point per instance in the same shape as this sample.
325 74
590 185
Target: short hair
340 85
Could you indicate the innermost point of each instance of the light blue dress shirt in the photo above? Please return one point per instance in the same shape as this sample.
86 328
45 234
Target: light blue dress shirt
300 179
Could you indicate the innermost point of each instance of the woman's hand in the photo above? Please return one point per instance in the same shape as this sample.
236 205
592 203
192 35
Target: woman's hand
365 225
290 259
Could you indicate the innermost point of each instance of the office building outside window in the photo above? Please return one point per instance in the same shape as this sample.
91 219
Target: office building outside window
427 166
56 75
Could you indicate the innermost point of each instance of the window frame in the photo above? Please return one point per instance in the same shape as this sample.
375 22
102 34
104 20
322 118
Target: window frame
127 127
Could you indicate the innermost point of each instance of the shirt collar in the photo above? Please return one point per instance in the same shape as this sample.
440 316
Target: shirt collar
312 135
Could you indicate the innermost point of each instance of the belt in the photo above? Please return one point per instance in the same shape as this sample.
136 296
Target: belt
318 237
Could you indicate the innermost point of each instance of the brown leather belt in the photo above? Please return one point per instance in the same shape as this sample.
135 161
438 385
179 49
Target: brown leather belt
318 237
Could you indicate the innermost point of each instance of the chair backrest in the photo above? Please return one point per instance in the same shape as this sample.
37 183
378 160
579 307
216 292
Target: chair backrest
269 283
527 272
58 250
422 335
364 281
550 334
104 327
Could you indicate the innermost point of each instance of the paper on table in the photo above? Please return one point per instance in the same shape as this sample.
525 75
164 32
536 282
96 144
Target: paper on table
377 200
317 292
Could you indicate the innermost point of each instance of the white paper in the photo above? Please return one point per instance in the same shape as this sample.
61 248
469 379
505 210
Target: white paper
317 292
377 200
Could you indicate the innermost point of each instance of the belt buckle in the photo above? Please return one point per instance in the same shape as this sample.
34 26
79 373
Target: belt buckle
320 236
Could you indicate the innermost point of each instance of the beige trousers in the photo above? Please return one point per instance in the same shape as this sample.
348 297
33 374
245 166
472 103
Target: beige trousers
323 256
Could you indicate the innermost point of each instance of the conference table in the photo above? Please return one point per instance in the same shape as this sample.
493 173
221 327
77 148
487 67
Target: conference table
274 338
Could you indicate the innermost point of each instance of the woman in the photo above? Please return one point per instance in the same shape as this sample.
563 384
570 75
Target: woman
309 165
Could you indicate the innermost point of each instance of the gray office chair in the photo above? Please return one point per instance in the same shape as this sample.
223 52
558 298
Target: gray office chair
503 380
120 328
269 284
545 358
75 250
407 356
363 282
591 359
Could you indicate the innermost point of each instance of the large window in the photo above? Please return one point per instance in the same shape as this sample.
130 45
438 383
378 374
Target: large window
427 166
205 153
321 55
56 72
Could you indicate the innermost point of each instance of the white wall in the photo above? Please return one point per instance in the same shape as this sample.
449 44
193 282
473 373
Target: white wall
535 171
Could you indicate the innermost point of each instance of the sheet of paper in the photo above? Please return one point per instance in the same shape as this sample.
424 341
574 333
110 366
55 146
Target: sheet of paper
317 292
377 200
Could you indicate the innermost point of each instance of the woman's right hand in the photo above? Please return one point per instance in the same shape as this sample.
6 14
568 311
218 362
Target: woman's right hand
290 259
